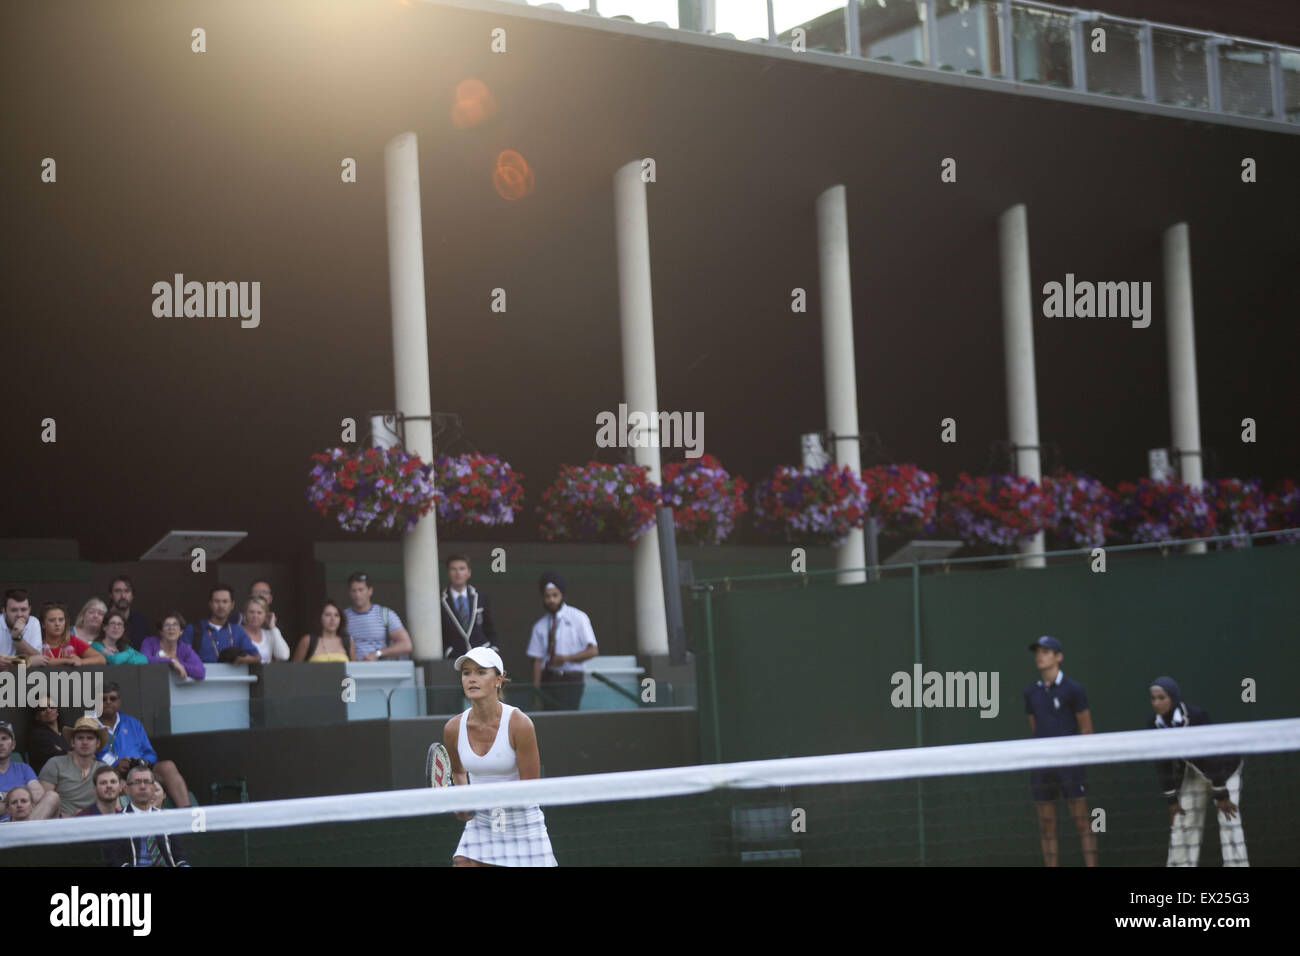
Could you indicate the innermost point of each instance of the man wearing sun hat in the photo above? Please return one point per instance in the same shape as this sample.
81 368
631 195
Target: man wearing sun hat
561 640
72 775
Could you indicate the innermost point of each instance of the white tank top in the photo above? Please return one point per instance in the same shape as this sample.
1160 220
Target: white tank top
499 764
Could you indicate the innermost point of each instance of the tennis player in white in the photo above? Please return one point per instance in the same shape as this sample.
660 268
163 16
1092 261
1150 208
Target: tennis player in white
493 742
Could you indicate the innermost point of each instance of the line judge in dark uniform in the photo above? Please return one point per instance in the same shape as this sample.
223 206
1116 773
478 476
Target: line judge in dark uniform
466 615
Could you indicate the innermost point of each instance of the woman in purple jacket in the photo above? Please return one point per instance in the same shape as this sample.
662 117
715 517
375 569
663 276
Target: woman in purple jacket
171 650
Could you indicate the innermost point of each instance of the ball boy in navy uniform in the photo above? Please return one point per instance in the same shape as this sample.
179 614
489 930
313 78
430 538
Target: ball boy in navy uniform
1058 707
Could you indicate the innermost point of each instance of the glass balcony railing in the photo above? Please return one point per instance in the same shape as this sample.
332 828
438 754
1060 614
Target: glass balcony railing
641 11
1041 40
1033 43
968 37
1181 70
821 20
892 32
601 693
1289 67
1114 65
1245 78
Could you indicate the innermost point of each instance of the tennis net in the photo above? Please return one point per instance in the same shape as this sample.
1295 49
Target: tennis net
969 804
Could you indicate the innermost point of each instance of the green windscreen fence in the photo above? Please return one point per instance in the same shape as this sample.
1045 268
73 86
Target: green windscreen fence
804 666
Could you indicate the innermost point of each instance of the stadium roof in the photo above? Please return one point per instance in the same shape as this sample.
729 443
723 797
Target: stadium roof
1161 69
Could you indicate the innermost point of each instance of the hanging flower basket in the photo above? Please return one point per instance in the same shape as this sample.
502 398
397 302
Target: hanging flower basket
902 498
372 487
811 506
1284 510
705 499
598 502
1082 509
997 511
1151 511
1240 508
477 491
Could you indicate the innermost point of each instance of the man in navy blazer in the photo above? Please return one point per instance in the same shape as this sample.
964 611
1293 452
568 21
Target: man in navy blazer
466 614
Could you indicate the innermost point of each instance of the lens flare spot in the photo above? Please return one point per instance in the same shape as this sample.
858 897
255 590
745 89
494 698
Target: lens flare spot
474 104
513 177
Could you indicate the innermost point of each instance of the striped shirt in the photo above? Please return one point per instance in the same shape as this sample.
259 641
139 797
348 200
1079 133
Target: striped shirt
368 631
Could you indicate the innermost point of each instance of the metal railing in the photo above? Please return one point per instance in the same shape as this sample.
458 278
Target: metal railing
1109 59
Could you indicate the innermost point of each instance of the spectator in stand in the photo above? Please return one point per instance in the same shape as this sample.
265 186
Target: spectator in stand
122 598
90 621
70 774
171 650
160 850
219 640
43 738
331 642
58 648
261 588
270 645
466 613
15 773
561 640
20 634
108 787
128 741
18 805
113 643
377 630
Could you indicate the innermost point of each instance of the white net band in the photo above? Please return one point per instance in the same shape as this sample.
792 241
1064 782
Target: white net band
1267 736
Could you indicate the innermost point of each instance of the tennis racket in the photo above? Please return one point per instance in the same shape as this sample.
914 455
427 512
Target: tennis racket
437 767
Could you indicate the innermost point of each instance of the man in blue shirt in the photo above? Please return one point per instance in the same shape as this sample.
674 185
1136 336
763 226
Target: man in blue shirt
127 741
15 773
1058 707
219 640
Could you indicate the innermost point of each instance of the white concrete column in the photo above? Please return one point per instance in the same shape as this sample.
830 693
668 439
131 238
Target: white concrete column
1184 403
1018 351
636 322
411 377
838 367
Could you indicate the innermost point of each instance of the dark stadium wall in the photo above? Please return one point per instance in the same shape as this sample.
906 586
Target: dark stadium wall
1211 621
360 756
827 654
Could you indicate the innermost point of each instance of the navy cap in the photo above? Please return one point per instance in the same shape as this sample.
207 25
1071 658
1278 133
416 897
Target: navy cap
552 579
1051 643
